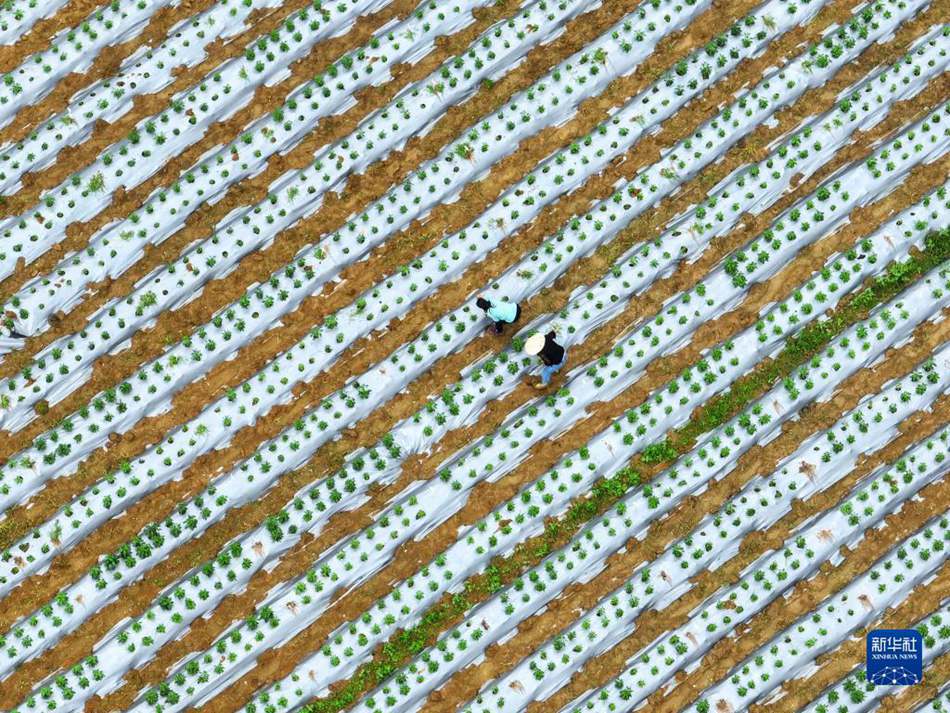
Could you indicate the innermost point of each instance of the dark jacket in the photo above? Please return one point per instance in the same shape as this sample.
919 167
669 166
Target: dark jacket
551 353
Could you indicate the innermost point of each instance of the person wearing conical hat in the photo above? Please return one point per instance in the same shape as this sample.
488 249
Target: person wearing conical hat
501 313
551 354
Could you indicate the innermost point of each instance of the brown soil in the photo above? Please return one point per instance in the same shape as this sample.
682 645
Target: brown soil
304 550
687 515
653 624
106 63
374 182
936 676
38 37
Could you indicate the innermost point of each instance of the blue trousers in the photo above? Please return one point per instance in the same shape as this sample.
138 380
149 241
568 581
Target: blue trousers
548 371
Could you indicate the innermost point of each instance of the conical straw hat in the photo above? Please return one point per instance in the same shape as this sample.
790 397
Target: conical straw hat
534 344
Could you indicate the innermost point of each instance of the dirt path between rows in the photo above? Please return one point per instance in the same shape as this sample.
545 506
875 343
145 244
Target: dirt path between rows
678 524
304 549
935 679
924 600
38 37
360 190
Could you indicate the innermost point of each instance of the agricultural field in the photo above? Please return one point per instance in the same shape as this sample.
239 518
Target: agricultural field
262 451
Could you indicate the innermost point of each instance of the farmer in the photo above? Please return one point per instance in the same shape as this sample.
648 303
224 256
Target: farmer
500 313
551 354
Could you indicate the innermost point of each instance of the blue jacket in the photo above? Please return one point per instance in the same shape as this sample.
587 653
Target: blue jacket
503 312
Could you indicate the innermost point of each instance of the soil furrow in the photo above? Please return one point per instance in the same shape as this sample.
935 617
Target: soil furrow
612 663
936 676
106 63
687 515
361 189
933 500
911 191
38 37
528 553
369 351
265 99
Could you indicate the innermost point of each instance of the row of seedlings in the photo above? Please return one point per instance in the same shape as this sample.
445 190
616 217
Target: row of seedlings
18 16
